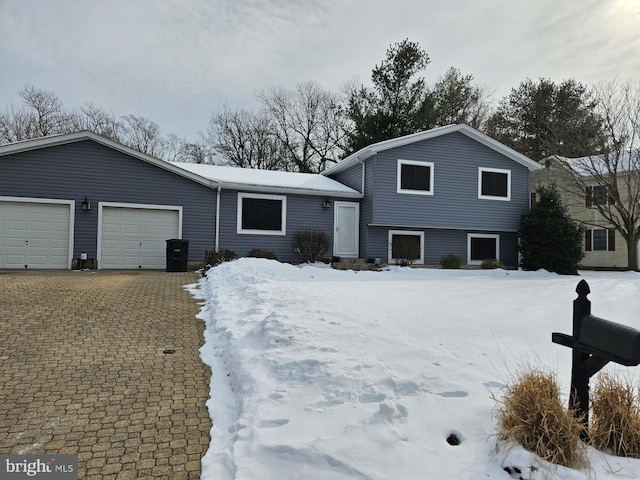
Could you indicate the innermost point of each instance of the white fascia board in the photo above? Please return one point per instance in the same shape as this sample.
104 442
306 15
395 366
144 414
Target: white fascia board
288 190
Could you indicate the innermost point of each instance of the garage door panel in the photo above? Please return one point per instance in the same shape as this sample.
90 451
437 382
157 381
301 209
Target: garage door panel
36 234
135 237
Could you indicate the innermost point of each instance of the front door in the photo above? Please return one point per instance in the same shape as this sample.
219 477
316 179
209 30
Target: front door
346 226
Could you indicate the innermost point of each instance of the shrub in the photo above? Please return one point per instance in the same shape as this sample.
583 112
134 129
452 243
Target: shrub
405 249
615 419
490 263
451 261
532 414
549 237
262 253
213 258
310 244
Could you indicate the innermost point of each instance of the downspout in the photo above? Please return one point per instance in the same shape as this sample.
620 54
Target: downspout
363 172
218 219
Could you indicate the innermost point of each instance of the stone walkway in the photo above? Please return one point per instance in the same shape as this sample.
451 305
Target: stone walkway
104 365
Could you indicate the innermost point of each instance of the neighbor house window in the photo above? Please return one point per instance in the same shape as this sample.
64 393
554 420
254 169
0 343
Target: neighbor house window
600 240
597 195
494 184
406 246
262 214
481 246
415 177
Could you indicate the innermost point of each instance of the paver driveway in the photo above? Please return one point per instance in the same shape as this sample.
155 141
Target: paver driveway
85 369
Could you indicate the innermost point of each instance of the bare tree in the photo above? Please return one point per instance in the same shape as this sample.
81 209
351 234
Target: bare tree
41 114
96 119
609 182
310 122
245 139
143 135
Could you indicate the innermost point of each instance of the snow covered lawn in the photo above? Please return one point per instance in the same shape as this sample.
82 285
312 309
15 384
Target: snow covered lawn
326 374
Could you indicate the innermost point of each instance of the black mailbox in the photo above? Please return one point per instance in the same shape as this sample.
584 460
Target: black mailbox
595 342
618 342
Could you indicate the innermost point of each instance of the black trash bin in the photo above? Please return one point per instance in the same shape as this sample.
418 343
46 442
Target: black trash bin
177 255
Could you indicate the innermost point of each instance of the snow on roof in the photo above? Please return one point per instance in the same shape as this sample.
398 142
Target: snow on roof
235 177
604 164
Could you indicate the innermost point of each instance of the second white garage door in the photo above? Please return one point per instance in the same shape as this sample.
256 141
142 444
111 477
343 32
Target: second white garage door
136 237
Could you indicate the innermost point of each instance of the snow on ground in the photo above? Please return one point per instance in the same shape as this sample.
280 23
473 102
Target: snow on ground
326 374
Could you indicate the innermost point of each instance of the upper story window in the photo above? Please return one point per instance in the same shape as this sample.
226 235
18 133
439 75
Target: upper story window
494 184
415 177
262 214
597 195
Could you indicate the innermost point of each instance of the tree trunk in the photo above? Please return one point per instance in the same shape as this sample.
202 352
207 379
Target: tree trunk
632 252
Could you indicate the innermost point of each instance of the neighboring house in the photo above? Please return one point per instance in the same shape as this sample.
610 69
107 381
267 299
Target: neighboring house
450 190
604 247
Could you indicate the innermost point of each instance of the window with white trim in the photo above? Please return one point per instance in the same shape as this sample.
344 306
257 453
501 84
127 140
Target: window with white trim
406 246
262 214
600 240
481 246
494 184
415 177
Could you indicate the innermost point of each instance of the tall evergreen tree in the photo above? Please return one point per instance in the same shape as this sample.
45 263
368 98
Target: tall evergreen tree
549 237
398 104
540 119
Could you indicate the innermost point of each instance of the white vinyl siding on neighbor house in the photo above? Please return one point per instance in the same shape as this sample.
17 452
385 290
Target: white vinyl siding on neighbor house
415 177
494 184
262 214
396 235
481 246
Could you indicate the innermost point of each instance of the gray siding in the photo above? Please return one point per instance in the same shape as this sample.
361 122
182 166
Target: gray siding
73 171
455 202
351 177
438 243
303 211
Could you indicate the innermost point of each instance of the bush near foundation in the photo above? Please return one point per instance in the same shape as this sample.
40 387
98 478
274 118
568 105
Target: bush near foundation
310 244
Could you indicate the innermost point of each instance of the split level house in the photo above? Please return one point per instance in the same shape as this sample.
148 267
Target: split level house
450 190
604 246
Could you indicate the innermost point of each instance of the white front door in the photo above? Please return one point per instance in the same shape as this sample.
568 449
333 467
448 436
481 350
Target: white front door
346 227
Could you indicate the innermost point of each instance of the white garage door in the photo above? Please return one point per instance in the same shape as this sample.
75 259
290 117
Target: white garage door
34 234
136 237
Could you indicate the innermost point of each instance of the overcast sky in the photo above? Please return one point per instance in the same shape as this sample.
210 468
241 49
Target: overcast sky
177 61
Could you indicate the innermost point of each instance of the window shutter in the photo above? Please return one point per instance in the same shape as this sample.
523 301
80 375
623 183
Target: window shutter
611 243
587 240
589 197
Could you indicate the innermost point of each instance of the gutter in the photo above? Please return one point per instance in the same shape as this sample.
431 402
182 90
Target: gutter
218 219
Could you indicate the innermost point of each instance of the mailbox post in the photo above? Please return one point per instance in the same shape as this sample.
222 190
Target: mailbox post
595 342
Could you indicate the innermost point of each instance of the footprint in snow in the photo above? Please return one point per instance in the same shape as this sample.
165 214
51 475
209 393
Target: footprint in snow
273 423
454 394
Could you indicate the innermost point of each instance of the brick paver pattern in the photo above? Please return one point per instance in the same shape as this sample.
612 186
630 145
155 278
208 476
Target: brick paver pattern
83 370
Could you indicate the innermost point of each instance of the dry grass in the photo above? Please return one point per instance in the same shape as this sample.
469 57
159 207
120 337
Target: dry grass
532 414
615 417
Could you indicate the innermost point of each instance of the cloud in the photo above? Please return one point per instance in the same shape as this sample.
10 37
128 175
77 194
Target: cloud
177 61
